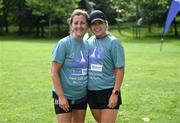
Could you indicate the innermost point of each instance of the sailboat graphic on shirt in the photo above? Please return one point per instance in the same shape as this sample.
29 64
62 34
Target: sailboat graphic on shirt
95 53
82 58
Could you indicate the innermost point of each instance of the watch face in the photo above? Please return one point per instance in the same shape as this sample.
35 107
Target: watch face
116 92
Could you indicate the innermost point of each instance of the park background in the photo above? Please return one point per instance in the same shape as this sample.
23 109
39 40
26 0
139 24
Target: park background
29 30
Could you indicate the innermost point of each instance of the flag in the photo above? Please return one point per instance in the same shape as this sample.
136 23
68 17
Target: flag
173 10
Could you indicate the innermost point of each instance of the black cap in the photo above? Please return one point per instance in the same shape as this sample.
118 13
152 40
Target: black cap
97 15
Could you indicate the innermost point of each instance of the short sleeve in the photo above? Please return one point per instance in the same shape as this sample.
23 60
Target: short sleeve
117 53
59 52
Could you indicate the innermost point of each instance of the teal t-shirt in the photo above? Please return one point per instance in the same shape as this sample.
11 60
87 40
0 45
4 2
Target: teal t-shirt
105 55
73 56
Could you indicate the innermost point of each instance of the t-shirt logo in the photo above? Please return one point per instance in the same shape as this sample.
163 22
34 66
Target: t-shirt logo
95 53
82 58
80 61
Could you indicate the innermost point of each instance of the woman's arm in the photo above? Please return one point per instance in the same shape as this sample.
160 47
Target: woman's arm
63 103
119 75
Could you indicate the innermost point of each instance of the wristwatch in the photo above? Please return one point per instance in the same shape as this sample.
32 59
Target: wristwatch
116 92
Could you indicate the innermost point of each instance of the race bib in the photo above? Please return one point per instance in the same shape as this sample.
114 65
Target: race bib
96 67
79 71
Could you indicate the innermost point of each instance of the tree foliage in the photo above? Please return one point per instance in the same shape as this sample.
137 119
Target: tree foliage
125 9
140 8
35 13
39 13
58 8
104 5
1 7
151 11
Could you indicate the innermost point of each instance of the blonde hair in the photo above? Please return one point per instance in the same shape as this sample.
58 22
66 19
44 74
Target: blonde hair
107 26
78 12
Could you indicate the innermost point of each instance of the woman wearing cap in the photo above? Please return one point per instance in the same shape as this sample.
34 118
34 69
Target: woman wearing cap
106 70
69 71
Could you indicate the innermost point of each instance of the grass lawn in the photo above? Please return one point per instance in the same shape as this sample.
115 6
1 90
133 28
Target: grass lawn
151 85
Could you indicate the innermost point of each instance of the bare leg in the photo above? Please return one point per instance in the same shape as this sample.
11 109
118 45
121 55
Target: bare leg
96 114
78 116
64 117
108 115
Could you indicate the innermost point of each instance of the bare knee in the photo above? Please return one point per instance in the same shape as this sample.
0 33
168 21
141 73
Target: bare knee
64 118
108 115
78 116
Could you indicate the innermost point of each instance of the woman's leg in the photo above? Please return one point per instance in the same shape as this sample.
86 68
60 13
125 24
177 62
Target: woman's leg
96 114
64 117
108 115
78 116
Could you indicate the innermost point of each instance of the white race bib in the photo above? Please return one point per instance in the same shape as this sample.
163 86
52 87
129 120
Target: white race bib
79 72
96 67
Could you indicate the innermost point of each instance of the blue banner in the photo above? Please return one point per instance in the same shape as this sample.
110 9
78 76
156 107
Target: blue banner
173 10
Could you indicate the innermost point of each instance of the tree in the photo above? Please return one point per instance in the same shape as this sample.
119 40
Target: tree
1 13
104 5
54 9
126 11
154 11
8 12
151 11
5 12
1 7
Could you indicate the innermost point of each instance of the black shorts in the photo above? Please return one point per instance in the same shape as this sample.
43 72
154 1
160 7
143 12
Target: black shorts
99 99
80 104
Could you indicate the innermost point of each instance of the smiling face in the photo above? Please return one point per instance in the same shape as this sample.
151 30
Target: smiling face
79 26
99 28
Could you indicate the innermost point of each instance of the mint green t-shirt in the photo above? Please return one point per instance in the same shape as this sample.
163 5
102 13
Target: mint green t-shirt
105 55
73 56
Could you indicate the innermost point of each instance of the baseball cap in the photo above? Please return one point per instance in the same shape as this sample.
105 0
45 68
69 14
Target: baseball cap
97 15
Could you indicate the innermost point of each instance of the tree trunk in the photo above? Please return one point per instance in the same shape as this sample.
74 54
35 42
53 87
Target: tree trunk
49 27
37 30
175 27
1 24
42 31
50 20
119 27
21 5
149 25
5 15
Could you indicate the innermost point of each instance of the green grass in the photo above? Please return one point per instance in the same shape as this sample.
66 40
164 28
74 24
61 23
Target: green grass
150 88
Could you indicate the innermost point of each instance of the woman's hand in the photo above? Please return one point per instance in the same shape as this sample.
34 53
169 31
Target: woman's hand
113 100
63 103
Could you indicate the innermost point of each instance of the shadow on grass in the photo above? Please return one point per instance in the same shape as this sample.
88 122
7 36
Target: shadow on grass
16 38
150 39
126 35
